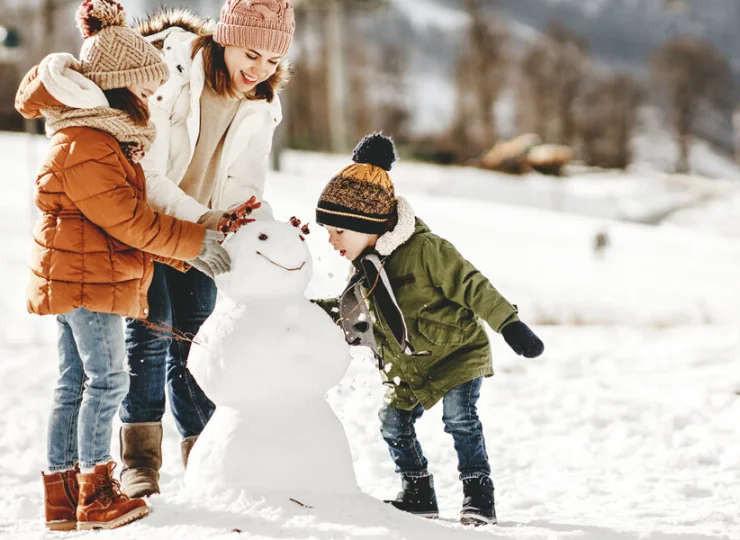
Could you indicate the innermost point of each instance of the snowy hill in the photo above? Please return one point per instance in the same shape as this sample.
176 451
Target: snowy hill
625 429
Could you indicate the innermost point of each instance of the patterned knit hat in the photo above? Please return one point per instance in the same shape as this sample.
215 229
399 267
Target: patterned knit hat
361 197
113 55
257 24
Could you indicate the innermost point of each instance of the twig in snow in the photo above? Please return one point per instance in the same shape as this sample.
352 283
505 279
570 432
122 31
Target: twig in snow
301 504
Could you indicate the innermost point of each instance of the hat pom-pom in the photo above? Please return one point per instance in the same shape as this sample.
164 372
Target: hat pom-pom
94 15
375 149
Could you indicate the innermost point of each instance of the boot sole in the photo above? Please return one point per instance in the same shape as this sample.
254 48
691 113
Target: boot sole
67 525
125 519
428 515
476 520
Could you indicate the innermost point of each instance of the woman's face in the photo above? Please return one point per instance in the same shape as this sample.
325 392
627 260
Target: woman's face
348 243
249 67
145 90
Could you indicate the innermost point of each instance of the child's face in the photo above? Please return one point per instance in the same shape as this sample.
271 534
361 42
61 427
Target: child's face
350 243
143 91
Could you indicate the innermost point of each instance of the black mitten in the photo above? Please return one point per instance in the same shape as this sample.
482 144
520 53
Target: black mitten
522 340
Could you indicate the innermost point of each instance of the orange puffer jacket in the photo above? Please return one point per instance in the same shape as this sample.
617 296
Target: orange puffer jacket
94 244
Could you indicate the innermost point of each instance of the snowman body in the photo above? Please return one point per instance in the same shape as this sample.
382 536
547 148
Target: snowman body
266 357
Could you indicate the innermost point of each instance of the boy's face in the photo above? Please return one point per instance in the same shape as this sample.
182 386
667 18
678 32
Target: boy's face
350 243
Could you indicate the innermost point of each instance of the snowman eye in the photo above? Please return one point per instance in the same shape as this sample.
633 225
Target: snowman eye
303 238
262 236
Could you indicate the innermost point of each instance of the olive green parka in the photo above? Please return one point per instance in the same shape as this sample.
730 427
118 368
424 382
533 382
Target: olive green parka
443 299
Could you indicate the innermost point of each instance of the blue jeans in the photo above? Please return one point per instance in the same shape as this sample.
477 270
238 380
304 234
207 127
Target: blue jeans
92 382
460 418
181 302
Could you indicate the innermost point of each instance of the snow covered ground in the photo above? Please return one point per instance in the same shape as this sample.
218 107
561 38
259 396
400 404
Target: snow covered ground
626 428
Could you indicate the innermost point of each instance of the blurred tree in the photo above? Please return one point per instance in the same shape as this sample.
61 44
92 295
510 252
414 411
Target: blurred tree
42 29
335 35
10 120
479 75
553 72
393 109
535 101
360 113
306 97
691 73
570 70
736 129
608 116
676 6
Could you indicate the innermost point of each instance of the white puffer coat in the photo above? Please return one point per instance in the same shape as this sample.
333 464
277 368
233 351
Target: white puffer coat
175 111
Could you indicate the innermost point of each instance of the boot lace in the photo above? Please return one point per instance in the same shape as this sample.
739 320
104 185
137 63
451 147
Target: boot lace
109 488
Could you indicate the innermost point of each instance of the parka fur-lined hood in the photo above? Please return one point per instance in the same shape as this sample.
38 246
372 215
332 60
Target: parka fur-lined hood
167 18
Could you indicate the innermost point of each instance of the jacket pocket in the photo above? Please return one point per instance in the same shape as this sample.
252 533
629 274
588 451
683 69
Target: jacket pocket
400 281
441 333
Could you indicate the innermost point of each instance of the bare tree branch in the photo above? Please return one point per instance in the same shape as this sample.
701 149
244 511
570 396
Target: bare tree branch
690 73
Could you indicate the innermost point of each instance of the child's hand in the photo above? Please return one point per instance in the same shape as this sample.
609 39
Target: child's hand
522 340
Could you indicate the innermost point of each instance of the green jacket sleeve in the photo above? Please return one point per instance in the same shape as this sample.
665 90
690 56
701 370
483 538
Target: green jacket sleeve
462 283
330 305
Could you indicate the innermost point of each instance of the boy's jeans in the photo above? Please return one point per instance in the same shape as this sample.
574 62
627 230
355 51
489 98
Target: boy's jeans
92 382
461 421
183 302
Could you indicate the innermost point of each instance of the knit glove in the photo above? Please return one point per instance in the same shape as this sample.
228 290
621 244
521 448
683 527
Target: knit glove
522 340
230 220
212 254
200 264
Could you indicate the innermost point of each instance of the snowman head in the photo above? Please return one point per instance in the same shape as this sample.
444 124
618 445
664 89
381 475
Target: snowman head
268 258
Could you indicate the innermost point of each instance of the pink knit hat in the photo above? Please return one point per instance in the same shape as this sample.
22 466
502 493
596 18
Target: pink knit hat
257 24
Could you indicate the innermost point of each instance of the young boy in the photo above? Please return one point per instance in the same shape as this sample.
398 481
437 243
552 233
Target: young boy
424 300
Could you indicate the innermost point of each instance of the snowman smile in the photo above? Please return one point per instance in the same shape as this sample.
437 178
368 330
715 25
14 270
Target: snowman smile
280 265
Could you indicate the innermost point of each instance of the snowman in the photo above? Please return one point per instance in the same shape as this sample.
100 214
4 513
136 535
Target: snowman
266 357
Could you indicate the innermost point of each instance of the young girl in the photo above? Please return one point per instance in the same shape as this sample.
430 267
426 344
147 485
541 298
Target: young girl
424 300
215 120
93 248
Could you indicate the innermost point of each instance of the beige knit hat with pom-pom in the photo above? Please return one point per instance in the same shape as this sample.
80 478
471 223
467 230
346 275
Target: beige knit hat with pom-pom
113 55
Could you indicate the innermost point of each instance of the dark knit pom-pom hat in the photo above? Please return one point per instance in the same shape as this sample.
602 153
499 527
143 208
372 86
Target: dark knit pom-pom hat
361 197
113 55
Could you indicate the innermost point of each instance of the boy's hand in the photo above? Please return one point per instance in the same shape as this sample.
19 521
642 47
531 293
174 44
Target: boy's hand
522 340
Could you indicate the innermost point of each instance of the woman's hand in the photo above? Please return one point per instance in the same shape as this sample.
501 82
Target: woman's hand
232 219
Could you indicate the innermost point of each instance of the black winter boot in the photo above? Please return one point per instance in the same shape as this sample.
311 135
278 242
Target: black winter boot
417 497
478 505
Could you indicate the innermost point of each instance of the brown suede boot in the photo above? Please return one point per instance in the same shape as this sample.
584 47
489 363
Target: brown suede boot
185 447
141 454
60 499
101 505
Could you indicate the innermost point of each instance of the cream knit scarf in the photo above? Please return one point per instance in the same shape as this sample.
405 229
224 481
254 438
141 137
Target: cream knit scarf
135 140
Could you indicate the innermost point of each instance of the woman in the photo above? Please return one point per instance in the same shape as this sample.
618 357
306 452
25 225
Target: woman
215 120
93 248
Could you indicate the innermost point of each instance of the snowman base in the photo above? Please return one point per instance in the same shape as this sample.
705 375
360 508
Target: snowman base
298 450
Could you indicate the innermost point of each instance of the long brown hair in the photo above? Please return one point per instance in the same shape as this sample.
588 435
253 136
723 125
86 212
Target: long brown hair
218 76
123 99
